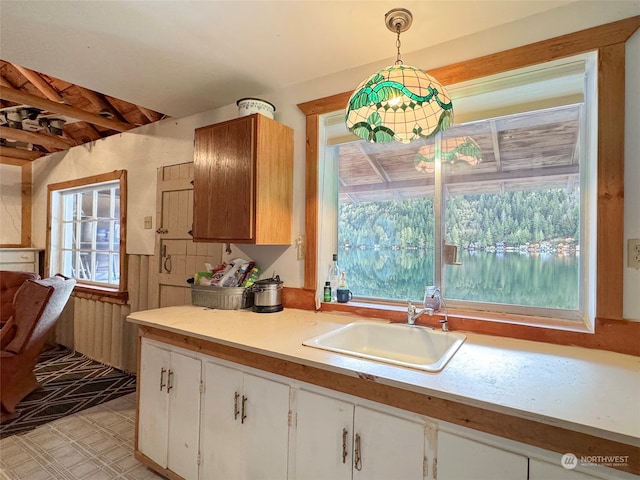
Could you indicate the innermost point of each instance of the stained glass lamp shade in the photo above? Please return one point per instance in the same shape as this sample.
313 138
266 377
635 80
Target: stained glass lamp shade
399 103
453 151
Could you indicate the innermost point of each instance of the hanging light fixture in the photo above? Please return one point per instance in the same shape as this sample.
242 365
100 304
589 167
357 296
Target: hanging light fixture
399 102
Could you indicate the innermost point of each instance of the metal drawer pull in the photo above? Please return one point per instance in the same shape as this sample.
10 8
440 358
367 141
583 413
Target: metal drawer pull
244 409
344 445
236 412
170 381
357 455
162 384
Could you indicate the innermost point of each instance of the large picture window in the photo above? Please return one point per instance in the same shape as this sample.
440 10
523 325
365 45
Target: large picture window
496 210
86 219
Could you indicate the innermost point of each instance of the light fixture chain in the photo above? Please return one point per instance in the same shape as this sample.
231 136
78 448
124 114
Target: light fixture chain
398 57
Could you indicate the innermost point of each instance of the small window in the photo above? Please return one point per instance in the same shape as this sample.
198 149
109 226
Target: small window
87 241
497 210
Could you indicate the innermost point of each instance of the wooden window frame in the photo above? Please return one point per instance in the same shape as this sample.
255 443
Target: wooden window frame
612 332
120 293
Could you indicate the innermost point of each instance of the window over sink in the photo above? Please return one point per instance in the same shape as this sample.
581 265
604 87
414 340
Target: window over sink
498 210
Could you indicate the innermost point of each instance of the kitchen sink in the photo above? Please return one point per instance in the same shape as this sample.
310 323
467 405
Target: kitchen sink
397 344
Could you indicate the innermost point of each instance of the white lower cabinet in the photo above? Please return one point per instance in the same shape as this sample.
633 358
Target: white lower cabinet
461 458
204 418
541 470
245 425
169 406
338 440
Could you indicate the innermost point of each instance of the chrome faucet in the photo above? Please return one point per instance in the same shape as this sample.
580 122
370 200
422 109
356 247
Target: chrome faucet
413 314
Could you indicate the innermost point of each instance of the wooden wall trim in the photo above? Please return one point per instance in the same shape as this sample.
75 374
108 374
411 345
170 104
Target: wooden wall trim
528 431
608 40
610 216
26 199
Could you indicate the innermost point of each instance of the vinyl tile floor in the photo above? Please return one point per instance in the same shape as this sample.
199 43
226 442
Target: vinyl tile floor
95 444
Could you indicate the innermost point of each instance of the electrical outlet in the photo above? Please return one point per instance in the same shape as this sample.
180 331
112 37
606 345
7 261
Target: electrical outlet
633 253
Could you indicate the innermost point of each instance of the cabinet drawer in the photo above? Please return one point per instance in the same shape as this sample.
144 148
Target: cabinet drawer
17 256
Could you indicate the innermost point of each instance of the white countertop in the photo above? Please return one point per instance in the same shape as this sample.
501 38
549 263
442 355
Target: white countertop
590 391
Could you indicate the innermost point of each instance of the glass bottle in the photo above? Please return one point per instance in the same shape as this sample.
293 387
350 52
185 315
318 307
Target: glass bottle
334 277
327 292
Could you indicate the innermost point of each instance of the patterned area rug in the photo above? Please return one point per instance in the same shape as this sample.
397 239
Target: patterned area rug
70 382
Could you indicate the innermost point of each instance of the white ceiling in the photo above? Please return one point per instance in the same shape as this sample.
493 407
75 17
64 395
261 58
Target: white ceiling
185 57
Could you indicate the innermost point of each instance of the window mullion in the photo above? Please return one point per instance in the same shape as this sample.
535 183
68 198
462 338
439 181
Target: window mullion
438 211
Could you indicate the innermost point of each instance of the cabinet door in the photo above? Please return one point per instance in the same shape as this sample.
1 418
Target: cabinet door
223 189
460 458
386 446
184 415
265 429
539 470
220 423
324 437
153 409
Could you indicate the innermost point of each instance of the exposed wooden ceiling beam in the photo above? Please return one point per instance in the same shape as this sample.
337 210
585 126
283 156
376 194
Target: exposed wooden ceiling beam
25 98
102 103
5 83
16 162
46 141
150 114
38 82
19 153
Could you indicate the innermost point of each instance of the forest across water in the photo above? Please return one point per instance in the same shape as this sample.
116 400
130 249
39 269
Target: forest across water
519 248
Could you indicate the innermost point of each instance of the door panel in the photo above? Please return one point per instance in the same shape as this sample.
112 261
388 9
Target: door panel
153 426
265 432
184 414
178 257
389 446
220 423
460 458
324 437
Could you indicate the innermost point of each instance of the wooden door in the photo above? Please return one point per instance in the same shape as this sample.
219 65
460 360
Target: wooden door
183 382
265 433
153 409
177 256
324 437
386 446
220 441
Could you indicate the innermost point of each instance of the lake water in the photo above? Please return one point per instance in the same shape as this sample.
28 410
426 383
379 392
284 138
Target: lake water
546 279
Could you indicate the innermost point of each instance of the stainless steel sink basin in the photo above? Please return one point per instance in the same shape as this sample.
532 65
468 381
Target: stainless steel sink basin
397 344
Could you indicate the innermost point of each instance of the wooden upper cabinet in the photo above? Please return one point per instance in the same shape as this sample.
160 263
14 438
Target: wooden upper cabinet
243 182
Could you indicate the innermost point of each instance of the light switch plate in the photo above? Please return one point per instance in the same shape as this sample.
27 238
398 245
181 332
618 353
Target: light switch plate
148 222
633 254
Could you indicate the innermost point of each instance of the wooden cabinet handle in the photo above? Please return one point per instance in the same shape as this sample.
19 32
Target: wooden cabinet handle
236 411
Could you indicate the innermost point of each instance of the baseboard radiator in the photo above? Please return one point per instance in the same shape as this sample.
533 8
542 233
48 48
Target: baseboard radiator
99 330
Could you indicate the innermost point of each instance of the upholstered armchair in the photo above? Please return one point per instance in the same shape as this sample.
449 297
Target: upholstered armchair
10 282
37 306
